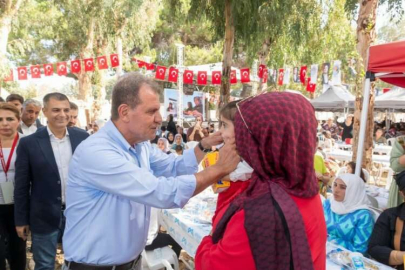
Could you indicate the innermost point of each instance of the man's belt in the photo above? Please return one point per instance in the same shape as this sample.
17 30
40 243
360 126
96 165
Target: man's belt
82 266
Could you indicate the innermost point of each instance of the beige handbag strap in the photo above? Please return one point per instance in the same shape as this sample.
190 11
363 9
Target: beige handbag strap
399 226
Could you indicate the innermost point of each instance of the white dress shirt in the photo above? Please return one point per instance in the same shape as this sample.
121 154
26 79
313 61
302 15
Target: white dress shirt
62 150
28 130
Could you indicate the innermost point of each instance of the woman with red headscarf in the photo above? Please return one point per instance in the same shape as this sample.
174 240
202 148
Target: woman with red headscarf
276 220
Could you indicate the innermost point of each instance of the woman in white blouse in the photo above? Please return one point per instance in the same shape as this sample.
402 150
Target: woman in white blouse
9 137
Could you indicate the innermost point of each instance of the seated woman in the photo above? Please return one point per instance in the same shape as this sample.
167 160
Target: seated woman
387 240
178 141
348 218
163 145
275 219
379 137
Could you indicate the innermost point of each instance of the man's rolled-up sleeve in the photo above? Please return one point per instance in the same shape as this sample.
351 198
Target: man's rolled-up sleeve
170 165
115 174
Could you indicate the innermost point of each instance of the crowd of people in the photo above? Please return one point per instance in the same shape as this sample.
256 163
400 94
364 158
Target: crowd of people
99 194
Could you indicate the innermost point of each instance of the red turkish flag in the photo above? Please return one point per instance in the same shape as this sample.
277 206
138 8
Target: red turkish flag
280 76
188 76
48 69
102 62
233 78
310 86
22 73
202 77
141 64
88 64
10 77
173 74
150 66
261 70
115 62
160 73
265 75
75 66
216 77
61 68
245 75
35 71
303 74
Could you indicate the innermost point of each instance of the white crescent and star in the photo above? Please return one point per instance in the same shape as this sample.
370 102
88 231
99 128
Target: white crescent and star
22 72
62 67
102 61
75 64
189 75
245 74
160 70
114 58
174 73
202 76
88 63
216 76
48 68
35 70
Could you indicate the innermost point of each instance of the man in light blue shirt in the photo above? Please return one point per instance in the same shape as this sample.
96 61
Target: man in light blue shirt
115 176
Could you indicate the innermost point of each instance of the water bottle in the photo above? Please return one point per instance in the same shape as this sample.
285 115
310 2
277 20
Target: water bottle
357 261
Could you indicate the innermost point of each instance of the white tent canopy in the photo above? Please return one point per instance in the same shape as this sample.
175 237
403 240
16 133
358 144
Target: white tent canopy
335 98
393 99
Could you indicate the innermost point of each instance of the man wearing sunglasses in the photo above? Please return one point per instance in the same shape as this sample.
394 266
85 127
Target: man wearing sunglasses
195 133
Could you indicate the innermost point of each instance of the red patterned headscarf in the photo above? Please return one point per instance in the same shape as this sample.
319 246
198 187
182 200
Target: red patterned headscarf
276 134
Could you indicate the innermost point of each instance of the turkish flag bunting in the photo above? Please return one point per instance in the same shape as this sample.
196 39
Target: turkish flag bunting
61 68
216 77
173 74
261 70
35 71
75 66
160 73
245 75
102 62
115 62
265 75
310 86
141 64
88 64
303 74
150 66
10 77
48 69
188 76
280 76
202 77
233 79
22 73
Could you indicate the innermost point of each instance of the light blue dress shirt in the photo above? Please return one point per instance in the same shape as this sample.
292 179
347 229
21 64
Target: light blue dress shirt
110 189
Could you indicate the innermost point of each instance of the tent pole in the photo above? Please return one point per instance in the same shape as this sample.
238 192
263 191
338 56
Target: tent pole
363 124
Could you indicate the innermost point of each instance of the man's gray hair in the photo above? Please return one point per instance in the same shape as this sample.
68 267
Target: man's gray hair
126 91
34 102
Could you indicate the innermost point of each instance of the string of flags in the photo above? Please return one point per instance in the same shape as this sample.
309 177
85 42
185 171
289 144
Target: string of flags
62 67
277 76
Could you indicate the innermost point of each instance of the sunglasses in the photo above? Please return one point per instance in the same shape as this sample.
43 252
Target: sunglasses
246 100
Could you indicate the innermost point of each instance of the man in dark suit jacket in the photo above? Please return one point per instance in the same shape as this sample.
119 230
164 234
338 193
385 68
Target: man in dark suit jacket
41 174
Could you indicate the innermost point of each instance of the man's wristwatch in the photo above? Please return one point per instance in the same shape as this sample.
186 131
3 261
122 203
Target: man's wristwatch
202 148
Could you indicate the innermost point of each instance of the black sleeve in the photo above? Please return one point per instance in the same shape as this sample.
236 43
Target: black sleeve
22 185
379 246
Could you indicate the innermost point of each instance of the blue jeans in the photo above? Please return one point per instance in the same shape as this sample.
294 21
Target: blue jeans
44 247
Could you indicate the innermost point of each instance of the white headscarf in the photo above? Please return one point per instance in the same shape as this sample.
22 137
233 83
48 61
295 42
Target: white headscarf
355 197
166 142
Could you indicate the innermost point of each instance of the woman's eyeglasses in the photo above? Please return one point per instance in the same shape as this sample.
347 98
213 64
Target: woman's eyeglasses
248 99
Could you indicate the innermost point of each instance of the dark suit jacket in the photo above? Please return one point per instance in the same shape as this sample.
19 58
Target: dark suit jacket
39 125
37 192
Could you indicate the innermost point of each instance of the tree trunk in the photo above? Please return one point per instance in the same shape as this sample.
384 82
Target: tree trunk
84 77
10 9
228 53
119 52
365 37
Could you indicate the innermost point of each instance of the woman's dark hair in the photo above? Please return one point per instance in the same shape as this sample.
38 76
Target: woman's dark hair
170 117
353 166
229 110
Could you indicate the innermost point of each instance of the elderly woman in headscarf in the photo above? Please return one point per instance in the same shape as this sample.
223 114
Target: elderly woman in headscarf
387 242
163 144
178 141
348 218
275 220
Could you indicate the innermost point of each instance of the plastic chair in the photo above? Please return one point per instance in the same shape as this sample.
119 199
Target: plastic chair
167 258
